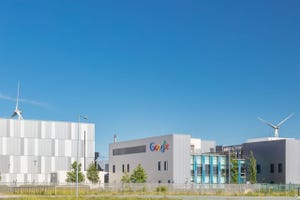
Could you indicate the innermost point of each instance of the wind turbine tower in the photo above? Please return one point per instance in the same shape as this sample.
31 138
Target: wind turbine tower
276 127
17 112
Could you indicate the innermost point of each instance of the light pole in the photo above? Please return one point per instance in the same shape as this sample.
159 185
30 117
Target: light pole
79 117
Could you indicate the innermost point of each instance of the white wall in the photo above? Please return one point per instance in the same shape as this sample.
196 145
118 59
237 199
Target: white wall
31 149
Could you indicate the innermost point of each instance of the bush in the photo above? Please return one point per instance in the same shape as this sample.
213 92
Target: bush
162 189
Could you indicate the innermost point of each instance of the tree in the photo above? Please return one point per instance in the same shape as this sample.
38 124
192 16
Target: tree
252 168
92 173
234 170
139 175
71 175
125 178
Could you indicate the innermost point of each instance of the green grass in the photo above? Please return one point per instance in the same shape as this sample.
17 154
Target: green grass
86 193
82 197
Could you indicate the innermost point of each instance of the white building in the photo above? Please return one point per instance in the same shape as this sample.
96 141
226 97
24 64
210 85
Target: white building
33 151
166 159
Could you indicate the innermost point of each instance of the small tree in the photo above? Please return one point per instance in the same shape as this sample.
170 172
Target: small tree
234 168
71 175
125 178
139 175
92 173
252 168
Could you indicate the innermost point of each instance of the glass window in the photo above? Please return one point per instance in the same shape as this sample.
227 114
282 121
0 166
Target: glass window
199 170
207 169
272 168
280 168
127 167
192 173
215 167
258 169
166 165
123 168
129 150
159 166
114 169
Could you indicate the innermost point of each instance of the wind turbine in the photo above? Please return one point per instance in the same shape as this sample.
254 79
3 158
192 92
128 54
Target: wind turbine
17 112
276 127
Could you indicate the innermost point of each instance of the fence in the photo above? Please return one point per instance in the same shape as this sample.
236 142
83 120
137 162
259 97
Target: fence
189 188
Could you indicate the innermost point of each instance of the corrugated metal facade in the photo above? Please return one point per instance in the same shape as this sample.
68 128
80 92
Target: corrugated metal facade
30 150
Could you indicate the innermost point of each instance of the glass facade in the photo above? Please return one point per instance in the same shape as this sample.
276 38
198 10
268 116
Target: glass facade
210 169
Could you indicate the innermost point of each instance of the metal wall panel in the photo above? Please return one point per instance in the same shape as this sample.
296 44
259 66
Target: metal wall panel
4 160
33 164
31 129
16 126
14 146
61 148
30 146
47 164
16 164
3 128
62 163
61 131
22 143
47 129
45 147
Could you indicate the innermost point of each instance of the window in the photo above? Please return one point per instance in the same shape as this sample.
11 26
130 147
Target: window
128 168
159 166
199 170
207 169
215 168
114 169
280 168
192 172
258 169
166 165
123 168
272 168
129 150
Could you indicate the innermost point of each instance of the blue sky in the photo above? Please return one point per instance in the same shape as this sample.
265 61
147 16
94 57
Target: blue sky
147 68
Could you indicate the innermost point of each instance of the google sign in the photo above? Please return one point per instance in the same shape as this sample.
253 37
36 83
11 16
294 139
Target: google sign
159 147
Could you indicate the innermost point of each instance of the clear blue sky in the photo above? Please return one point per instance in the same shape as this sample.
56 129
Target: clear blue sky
147 68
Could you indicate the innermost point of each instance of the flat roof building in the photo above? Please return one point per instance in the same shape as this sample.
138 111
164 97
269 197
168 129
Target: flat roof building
277 159
175 158
34 151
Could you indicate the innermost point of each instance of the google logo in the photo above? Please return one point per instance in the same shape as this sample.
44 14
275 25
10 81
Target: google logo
159 147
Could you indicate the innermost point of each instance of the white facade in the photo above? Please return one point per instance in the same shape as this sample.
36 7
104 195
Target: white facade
33 151
166 159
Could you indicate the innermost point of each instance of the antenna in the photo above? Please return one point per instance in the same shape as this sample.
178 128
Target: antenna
276 127
17 112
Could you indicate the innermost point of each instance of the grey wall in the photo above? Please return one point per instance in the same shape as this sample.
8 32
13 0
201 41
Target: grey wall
181 158
177 157
267 153
292 161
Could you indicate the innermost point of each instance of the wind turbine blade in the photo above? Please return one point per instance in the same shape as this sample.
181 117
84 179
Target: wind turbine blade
266 122
280 123
13 115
